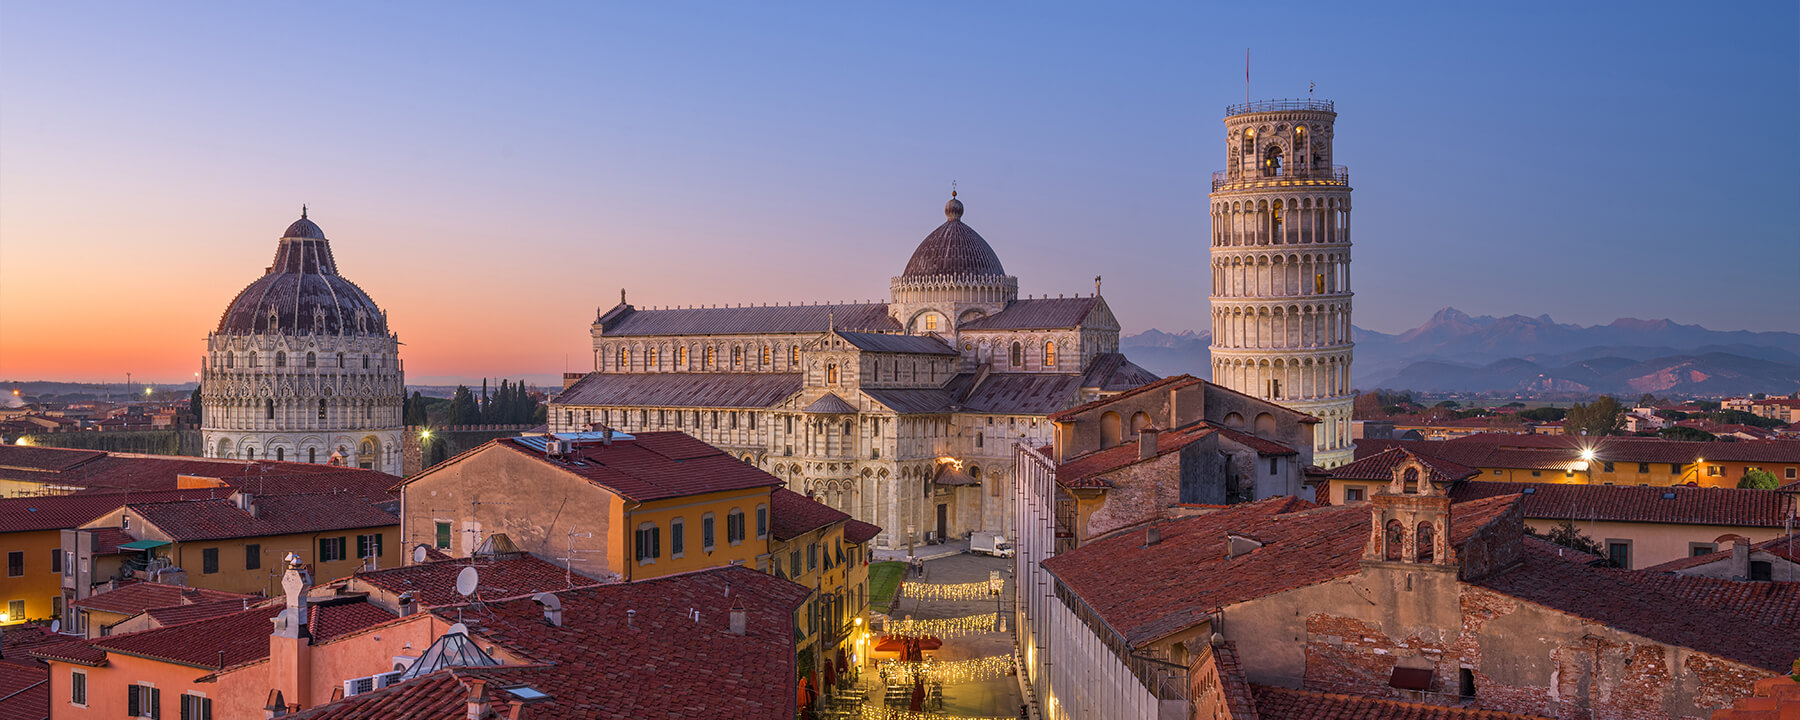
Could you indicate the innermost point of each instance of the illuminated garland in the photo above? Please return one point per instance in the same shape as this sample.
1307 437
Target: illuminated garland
958 591
950 672
942 628
877 712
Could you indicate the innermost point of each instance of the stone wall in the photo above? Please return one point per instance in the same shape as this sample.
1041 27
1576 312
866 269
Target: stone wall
417 454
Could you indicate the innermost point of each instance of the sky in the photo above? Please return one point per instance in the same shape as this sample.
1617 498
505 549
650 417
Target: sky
491 173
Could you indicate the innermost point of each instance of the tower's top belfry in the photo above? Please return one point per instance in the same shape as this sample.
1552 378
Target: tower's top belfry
1281 265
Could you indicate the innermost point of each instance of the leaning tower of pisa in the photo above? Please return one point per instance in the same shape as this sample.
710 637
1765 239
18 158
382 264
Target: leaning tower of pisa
1281 266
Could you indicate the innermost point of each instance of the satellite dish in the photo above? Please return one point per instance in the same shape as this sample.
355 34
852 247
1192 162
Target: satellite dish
55 626
419 553
458 629
466 581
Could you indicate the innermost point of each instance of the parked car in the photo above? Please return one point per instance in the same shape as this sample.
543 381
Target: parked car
990 543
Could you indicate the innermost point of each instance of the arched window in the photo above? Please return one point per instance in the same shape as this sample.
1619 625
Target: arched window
1017 358
767 356
849 427
312 361
249 453
1272 161
1139 421
681 356
831 373
268 409
737 357
649 358
280 454
1411 479
1110 432
794 355
252 359
321 408
340 360
281 358
1050 353
230 360
1427 544
1396 540
711 355
1265 425
365 361
312 455
1250 141
1275 215
624 360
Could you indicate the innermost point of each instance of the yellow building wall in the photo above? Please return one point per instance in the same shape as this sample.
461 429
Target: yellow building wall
39 584
233 574
752 551
1656 543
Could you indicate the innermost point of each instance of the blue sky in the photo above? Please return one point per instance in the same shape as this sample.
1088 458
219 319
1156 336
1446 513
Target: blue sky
491 172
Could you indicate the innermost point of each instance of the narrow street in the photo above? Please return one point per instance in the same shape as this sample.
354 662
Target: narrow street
988 697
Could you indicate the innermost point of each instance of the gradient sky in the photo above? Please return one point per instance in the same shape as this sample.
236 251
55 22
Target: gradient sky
490 173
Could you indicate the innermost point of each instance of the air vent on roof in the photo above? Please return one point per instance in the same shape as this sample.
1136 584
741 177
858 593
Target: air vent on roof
1529 491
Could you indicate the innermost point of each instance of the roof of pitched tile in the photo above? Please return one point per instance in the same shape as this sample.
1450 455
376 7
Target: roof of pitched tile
1773 603
442 695
913 400
108 472
56 512
1022 393
652 466
755 320
189 520
24 690
108 539
829 404
241 636
857 531
1621 599
663 663
1085 471
1380 466
197 611
1630 503
1278 703
1146 592
721 390
792 514
1113 372
138 597
1784 546
893 343
434 583
1563 452
1169 383
1262 446
1037 314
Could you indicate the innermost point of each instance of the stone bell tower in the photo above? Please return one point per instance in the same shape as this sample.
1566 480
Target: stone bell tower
1281 266
1410 519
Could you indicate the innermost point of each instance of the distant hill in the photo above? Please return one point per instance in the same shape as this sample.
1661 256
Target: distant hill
1454 351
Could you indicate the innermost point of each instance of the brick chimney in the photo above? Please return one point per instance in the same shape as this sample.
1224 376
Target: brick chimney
290 645
1147 443
1740 557
478 699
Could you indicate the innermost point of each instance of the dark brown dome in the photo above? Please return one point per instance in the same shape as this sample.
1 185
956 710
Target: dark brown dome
302 293
953 249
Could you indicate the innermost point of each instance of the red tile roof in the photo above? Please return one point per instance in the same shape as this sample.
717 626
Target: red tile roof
107 540
138 597
223 641
1168 383
24 691
1786 546
1262 446
1278 703
1563 452
1380 467
1679 505
1772 603
189 520
1085 471
96 470
434 583
859 532
178 614
442 695
1621 599
792 514
653 466
57 512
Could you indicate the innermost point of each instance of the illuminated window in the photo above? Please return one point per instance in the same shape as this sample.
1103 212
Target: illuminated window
767 356
712 356
931 321
681 356
831 374
624 360
649 358
1050 354
321 408
1272 161
737 356
794 355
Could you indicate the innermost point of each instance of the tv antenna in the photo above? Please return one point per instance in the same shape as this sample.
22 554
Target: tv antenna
569 558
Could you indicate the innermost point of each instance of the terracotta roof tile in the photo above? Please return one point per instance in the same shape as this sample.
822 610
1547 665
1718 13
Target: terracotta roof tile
1785 546
24 691
107 472
1380 467
1262 446
226 640
792 514
188 520
654 466
702 390
56 512
138 597
434 583
1278 703
1629 503
197 611
1085 471
1771 603
859 532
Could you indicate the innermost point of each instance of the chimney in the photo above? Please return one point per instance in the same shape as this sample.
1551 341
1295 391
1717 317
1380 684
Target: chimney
290 646
1147 443
246 502
407 605
606 435
1740 557
552 608
1152 535
478 699
630 616
740 621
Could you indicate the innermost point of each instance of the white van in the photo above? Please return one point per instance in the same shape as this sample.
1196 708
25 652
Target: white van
990 543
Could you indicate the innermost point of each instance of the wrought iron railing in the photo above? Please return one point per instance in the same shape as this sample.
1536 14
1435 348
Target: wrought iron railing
1302 175
1273 105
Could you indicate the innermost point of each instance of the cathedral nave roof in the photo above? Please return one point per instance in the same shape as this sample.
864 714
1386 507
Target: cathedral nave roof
627 321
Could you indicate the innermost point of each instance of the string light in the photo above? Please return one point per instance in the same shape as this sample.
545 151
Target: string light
879 712
957 591
941 628
951 672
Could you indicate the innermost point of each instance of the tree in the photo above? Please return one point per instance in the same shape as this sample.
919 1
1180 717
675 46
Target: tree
415 411
1543 414
1759 479
1569 536
1600 417
1678 432
1367 407
463 410
194 404
1649 400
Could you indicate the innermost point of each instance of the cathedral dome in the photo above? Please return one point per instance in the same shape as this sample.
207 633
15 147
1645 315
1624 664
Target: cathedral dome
953 249
302 293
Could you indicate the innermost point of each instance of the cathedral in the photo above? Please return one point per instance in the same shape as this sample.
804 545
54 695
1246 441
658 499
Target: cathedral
902 413
303 366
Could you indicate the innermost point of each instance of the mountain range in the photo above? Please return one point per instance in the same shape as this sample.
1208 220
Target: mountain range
1454 352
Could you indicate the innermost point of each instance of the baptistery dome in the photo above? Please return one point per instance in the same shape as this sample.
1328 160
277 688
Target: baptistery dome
302 293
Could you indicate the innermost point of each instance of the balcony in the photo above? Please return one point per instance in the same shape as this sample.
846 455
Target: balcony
1336 175
1276 105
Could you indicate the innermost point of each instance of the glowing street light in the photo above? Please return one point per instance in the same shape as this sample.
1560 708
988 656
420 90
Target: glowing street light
1587 454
